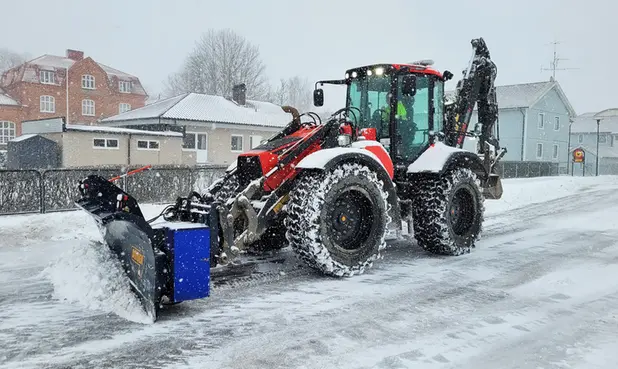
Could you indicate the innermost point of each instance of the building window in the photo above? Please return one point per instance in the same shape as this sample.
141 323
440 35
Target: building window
7 131
580 138
147 145
556 123
124 86
602 139
541 120
539 151
88 82
189 141
88 107
556 149
236 143
123 108
48 77
105 143
254 141
48 104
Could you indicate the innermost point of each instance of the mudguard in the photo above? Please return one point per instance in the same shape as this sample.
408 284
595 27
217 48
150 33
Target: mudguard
438 158
328 158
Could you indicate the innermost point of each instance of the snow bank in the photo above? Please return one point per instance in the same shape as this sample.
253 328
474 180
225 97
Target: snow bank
89 275
521 192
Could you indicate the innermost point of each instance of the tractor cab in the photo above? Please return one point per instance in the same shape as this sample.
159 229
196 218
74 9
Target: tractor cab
399 105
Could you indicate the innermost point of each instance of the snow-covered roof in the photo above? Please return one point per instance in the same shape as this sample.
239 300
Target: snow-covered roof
5 99
60 62
102 129
23 137
587 123
208 108
525 95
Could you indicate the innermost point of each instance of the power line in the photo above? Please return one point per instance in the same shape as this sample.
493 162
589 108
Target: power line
554 63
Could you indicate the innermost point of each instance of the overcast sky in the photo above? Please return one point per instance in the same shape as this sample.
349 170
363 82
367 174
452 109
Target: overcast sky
319 39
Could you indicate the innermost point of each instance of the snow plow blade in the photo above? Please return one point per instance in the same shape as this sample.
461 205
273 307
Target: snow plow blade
128 236
169 259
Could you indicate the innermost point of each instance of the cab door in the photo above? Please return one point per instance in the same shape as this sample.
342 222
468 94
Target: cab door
412 118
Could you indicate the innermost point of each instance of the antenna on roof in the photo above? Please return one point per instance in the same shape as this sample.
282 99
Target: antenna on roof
554 63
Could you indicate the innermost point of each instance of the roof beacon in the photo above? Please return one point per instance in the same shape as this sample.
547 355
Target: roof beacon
423 62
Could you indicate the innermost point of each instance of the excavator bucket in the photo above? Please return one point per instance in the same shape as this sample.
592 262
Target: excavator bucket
493 187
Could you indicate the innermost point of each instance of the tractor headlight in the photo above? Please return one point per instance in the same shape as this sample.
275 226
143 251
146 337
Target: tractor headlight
344 140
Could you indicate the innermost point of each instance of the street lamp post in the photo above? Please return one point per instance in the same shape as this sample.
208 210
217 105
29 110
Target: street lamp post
569 145
597 164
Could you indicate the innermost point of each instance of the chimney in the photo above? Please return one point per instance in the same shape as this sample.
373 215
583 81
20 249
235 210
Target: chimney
75 54
239 94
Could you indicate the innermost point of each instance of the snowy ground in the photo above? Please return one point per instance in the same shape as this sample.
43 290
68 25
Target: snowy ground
539 291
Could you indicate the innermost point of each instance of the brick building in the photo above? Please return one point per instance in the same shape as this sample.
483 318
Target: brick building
38 89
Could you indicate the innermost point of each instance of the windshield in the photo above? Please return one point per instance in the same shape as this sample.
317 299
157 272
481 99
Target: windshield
369 94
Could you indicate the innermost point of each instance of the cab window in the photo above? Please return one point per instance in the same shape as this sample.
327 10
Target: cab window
413 118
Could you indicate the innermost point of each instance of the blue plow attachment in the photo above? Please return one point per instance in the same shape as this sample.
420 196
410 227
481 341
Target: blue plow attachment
169 260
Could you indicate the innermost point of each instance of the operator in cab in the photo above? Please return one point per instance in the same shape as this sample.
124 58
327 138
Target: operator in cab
404 118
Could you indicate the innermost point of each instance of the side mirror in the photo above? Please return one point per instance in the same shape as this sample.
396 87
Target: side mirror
447 75
408 86
318 97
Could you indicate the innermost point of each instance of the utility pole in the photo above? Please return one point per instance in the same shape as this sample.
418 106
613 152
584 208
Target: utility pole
554 63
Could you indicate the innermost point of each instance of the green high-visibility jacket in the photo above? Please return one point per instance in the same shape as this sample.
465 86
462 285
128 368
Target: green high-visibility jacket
401 112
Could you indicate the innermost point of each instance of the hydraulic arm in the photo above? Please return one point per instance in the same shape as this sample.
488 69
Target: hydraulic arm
476 86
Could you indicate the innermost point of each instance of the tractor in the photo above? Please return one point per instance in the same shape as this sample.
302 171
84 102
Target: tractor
330 189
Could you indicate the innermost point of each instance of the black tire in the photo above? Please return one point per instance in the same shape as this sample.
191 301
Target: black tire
316 219
448 212
228 190
225 192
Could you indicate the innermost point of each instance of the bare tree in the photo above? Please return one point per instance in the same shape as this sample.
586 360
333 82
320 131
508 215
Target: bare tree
10 59
294 91
220 60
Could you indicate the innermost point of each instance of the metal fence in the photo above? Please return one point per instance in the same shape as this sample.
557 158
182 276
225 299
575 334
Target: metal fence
526 169
31 191
589 169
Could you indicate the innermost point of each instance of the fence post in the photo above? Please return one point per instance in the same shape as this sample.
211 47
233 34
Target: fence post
42 189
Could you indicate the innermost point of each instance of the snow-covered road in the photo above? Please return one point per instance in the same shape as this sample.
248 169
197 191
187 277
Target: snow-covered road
539 291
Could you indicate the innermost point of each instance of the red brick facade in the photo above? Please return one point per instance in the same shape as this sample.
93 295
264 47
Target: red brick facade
23 85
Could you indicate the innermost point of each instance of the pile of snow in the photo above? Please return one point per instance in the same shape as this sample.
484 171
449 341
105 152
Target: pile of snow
521 192
89 275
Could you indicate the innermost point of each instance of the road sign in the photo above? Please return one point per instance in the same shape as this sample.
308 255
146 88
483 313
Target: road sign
579 156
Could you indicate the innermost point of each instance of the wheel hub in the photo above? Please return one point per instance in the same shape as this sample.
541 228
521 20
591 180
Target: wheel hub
461 211
351 219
